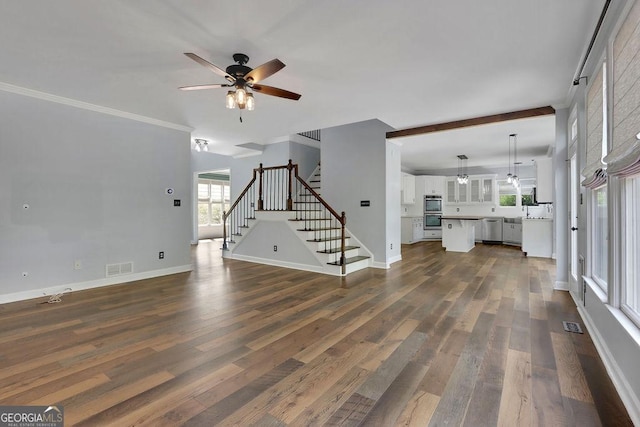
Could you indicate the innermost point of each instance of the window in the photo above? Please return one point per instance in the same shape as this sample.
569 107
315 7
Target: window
631 248
526 191
600 238
507 193
213 198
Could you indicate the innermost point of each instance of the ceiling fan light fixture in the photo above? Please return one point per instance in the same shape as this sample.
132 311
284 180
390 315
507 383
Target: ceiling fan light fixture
241 97
251 103
231 100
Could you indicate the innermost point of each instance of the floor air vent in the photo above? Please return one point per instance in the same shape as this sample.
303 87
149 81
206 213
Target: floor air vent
119 269
572 327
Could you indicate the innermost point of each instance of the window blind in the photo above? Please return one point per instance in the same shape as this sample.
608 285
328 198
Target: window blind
593 162
624 159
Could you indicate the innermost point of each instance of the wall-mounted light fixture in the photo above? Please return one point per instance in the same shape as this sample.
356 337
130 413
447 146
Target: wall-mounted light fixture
201 145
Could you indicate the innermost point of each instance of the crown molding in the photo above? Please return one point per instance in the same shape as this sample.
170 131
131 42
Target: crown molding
6 87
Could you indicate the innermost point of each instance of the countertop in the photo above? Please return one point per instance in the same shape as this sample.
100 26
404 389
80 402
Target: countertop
462 217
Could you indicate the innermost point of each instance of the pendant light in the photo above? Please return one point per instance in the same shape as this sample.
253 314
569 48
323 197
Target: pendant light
515 179
463 178
509 176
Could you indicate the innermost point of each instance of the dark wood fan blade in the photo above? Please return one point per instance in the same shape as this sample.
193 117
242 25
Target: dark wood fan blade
199 87
265 70
210 66
274 91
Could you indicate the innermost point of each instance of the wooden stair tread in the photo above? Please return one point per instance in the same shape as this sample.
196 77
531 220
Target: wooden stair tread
349 260
320 229
326 239
335 250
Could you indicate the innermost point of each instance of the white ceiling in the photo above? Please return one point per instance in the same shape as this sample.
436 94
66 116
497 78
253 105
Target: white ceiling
407 63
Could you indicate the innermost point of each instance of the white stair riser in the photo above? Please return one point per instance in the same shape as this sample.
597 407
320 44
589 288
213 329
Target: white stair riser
358 265
311 215
336 256
331 244
319 234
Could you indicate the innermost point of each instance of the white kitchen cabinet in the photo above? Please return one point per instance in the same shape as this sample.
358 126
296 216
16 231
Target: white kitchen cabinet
411 229
434 185
512 233
408 189
479 190
537 237
456 192
433 234
488 189
544 180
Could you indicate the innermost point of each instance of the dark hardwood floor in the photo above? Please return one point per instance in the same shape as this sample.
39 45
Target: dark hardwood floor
441 338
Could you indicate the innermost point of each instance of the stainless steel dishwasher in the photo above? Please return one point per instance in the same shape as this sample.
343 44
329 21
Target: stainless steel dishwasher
492 230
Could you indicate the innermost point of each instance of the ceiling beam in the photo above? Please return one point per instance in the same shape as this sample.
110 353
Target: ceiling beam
438 127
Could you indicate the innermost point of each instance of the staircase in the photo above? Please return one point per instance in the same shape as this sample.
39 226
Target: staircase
316 236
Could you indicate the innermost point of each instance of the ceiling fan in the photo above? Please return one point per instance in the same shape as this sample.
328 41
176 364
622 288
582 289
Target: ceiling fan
243 79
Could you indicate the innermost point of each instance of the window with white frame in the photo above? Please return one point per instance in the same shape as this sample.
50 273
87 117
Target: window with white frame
630 303
213 198
507 193
599 237
596 179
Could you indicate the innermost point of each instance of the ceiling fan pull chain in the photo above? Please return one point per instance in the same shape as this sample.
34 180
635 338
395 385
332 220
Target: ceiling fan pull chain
240 116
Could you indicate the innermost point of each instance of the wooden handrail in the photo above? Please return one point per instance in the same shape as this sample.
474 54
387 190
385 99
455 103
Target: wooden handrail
225 215
317 196
292 171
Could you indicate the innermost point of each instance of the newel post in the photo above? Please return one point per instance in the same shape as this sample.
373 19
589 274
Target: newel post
224 231
260 201
343 261
289 199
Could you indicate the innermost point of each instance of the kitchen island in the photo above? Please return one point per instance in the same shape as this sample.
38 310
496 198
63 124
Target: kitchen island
458 232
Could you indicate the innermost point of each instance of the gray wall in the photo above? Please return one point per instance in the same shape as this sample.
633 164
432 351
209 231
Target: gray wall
242 167
95 185
306 157
393 180
264 235
277 154
354 168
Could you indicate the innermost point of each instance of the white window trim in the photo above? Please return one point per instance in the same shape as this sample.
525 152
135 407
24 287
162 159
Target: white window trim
591 227
208 200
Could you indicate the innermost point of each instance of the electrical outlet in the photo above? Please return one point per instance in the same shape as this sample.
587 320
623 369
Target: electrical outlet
176 202
161 255
275 248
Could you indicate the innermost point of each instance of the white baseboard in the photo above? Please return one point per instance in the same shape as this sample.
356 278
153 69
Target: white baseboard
561 286
624 389
277 263
80 286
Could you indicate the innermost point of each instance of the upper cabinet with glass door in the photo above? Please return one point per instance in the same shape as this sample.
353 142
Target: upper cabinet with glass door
479 189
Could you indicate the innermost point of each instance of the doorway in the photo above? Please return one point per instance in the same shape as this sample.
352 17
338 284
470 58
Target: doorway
212 198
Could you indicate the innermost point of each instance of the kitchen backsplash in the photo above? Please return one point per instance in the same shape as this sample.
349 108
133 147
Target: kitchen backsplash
540 211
